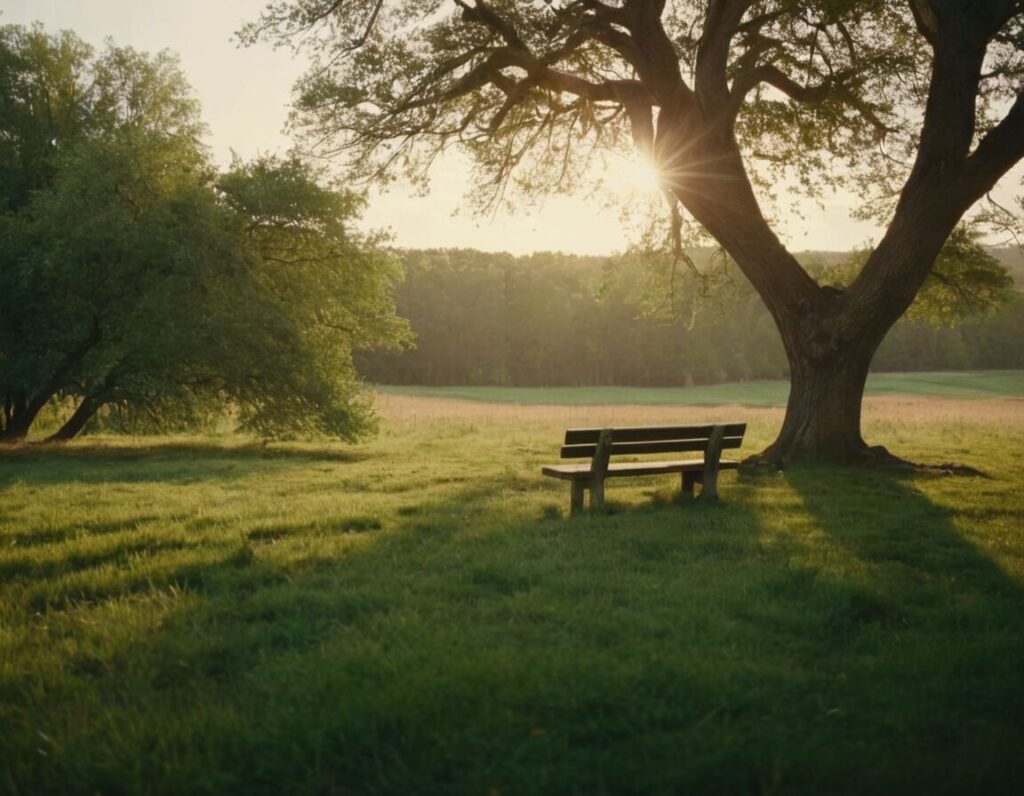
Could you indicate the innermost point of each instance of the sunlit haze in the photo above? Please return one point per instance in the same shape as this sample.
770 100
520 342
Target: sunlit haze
245 91
633 175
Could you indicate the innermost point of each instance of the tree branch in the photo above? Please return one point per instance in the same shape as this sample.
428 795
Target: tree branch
834 88
721 24
999 150
484 14
361 40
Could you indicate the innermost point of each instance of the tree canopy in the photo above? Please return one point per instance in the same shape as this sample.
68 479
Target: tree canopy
133 276
537 89
917 105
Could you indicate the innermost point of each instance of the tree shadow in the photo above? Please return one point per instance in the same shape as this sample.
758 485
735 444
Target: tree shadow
918 545
444 641
39 537
927 614
463 646
175 462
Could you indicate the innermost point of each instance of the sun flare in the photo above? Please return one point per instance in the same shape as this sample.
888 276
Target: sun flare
634 175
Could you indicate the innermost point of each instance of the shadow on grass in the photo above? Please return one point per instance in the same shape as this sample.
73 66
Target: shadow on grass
141 449
948 618
39 537
465 648
887 522
158 462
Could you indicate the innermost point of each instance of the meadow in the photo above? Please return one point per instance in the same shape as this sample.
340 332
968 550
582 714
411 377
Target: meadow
417 614
961 384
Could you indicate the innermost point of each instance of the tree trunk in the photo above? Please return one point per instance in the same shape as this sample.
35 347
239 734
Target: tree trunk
19 416
15 432
831 335
828 372
822 420
21 412
74 424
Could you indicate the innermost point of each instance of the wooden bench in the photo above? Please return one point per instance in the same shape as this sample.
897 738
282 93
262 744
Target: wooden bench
600 444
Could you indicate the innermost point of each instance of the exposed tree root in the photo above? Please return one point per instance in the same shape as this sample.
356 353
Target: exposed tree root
878 456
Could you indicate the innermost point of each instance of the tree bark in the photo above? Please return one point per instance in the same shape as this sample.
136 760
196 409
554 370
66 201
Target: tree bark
20 412
823 413
829 356
74 424
19 417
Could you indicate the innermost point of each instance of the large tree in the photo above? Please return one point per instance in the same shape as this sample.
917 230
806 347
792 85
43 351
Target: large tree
917 104
63 105
133 276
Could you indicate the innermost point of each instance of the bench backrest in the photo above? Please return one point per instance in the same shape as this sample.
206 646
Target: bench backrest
582 443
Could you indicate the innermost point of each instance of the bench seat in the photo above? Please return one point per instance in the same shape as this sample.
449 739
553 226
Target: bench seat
599 445
583 472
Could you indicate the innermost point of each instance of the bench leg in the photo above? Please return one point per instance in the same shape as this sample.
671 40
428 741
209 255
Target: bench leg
597 494
712 458
575 497
709 492
689 479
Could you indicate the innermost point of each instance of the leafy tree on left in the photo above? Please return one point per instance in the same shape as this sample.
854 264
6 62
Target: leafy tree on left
132 275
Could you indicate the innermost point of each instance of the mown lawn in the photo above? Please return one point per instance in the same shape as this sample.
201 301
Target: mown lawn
961 384
418 615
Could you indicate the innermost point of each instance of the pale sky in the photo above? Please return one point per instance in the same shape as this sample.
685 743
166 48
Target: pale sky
245 92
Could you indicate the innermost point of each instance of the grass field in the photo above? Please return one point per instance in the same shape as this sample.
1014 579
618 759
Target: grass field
418 615
965 384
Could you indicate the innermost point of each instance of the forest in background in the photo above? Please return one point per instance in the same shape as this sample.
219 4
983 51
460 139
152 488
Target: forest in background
552 319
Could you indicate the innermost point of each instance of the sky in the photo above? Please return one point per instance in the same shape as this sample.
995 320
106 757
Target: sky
245 94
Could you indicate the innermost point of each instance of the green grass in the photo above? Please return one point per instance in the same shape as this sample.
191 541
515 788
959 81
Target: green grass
418 615
965 384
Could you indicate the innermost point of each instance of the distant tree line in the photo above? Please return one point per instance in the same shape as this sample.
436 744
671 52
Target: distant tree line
561 320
